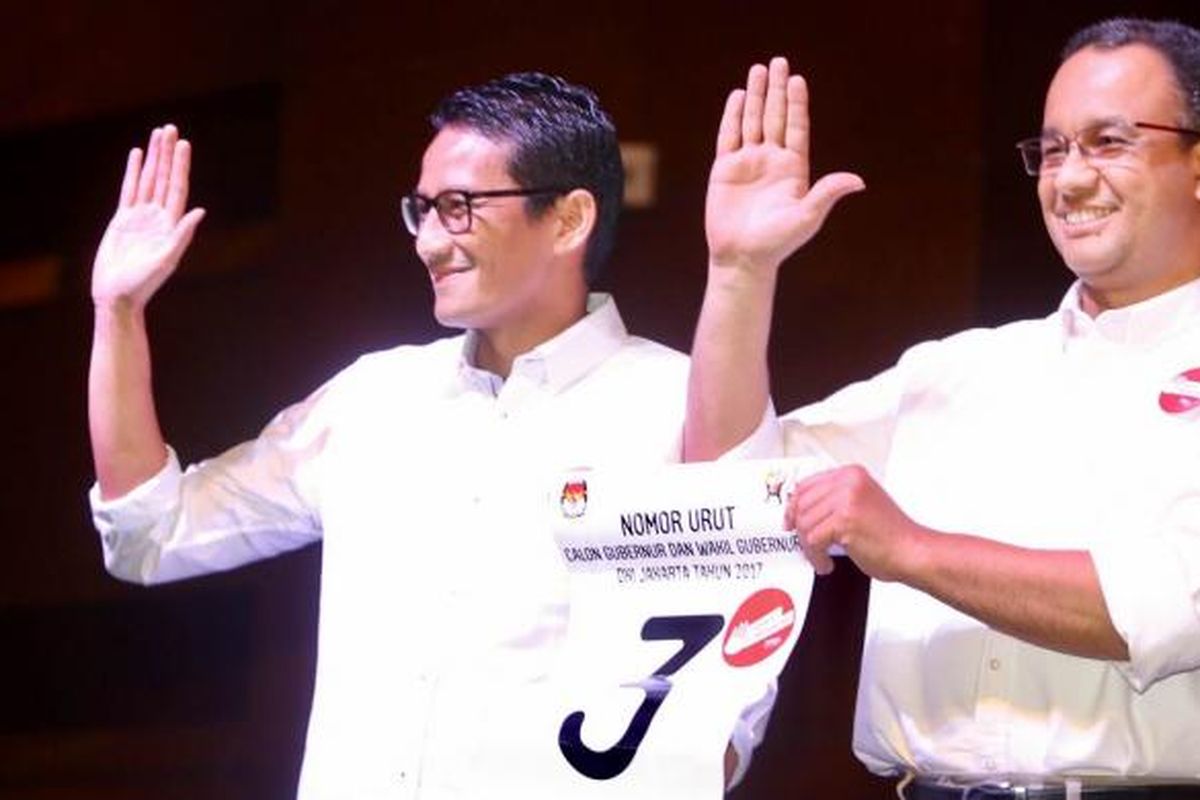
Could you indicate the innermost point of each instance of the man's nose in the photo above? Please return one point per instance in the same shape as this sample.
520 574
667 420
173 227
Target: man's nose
1076 173
433 241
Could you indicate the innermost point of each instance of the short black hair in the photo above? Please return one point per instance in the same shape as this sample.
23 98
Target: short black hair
560 137
1178 43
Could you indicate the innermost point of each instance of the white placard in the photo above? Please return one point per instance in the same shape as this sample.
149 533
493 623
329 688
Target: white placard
686 599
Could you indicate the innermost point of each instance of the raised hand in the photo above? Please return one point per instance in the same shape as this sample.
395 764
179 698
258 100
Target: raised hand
149 231
760 206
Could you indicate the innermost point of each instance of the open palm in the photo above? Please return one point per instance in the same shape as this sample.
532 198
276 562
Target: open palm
149 231
760 207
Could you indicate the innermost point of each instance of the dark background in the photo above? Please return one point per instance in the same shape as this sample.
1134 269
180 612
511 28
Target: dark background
308 123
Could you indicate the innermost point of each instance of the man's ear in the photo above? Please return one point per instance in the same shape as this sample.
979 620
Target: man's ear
576 212
1196 169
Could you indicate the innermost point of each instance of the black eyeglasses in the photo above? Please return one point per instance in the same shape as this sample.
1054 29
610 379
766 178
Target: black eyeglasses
1100 145
454 206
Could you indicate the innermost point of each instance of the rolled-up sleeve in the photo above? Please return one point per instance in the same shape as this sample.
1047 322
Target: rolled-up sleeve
765 441
253 501
1151 587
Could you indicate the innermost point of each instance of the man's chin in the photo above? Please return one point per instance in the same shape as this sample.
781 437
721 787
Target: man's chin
454 324
1087 257
452 317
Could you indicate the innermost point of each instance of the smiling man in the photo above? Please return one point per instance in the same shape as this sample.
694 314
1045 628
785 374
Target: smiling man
1027 498
1122 215
423 469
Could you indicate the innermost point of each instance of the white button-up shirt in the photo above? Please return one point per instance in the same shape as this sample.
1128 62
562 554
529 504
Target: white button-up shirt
443 597
1062 433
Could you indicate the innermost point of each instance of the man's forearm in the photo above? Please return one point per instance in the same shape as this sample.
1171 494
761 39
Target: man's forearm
1051 598
728 387
127 444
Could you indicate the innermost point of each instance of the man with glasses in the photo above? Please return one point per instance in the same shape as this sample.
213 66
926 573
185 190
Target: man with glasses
423 469
1027 498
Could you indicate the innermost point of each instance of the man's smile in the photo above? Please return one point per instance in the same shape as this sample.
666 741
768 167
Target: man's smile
439 274
1084 221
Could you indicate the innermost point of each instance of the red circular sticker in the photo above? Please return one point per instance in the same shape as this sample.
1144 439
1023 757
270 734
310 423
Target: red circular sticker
1183 393
760 627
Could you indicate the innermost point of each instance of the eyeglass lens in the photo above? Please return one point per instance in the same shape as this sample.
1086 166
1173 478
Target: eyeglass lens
453 209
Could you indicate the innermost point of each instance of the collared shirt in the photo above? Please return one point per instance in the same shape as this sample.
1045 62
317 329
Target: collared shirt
1061 433
443 596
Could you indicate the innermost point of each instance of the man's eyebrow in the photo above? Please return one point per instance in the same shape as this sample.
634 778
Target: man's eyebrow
443 190
1099 122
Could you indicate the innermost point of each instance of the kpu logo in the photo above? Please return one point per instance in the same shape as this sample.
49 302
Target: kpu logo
774 482
574 499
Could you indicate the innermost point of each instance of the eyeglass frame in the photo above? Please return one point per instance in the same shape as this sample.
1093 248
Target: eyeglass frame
413 215
1031 148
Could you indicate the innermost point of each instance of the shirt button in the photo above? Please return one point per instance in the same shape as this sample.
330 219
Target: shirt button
994 664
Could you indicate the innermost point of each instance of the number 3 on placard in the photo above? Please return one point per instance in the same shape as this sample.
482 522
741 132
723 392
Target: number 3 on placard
694 631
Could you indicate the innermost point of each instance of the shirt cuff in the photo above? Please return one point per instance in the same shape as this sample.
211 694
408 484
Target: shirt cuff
749 732
138 510
1151 588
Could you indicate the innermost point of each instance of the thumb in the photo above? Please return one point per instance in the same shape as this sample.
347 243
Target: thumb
185 229
825 193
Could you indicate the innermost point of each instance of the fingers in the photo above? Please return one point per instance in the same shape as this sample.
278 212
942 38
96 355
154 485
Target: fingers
796 133
729 134
773 109
819 558
776 110
177 192
129 184
812 504
817 546
752 112
145 189
162 176
166 158
811 515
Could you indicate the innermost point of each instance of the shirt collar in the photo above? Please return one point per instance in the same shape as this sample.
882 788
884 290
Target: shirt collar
1141 324
561 360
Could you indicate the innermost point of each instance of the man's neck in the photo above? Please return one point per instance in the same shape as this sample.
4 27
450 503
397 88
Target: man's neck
496 349
1095 300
